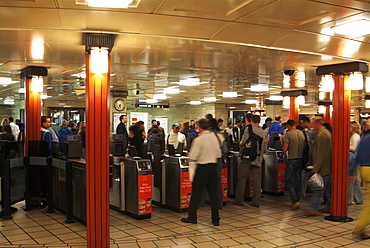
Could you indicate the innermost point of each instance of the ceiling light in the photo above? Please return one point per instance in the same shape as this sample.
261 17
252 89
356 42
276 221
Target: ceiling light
99 60
356 81
276 98
353 29
37 84
210 99
286 102
174 59
37 48
195 102
322 109
80 75
326 57
250 101
190 82
9 101
259 87
301 76
151 101
44 96
232 107
160 96
171 90
122 4
230 94
327 83
301 100
367 85
5 81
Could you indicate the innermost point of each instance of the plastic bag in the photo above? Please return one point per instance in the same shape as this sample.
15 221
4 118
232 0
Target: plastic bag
316 182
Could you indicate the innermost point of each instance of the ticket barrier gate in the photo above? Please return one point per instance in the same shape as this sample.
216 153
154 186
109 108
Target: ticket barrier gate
12 176
176 185
224 185
131 186
273 173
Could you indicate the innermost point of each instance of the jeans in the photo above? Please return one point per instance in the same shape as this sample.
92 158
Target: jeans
355 192
293 179
325 192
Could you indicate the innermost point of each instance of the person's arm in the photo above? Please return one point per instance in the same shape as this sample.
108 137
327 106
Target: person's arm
285 147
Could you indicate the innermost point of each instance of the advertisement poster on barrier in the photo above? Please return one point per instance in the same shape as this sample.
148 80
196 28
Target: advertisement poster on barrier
139 116
224 184
164 122
145 194
185 192
281 174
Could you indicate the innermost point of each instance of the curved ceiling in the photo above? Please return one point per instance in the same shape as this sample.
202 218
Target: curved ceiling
228 44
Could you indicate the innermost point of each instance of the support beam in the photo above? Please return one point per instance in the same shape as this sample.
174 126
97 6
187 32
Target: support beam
97 156
340 149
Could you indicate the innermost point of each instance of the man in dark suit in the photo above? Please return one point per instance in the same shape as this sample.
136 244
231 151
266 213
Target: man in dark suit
121 127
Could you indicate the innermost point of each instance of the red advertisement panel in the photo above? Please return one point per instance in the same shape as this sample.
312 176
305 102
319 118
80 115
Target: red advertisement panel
185 191
281 174
224 183
145 194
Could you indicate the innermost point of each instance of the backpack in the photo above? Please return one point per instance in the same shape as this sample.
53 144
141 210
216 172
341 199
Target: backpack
253 145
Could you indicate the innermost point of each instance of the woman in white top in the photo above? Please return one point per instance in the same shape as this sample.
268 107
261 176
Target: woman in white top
354 187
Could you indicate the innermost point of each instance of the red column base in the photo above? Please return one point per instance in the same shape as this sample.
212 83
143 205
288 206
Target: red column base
339 218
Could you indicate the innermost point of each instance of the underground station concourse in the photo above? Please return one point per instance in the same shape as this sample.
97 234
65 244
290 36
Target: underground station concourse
93 61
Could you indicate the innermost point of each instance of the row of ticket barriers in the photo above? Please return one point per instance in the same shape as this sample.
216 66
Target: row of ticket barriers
135 183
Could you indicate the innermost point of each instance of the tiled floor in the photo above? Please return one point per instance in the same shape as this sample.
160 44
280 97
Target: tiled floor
273 225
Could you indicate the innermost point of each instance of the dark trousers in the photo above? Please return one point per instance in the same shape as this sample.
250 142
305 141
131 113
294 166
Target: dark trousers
206 177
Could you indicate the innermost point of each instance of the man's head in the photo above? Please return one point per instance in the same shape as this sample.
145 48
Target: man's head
185 124
256 119
209 116
230 124
17 121
291 124
123 119
45 121
175 127
278 118
203 125
244 123
11 119
317 123
248 118
305 122
158 123
220 122
238 123
154 122
268 120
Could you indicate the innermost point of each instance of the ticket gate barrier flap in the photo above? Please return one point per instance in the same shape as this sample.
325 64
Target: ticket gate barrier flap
224 183
117 185
273 173
178 187
233 161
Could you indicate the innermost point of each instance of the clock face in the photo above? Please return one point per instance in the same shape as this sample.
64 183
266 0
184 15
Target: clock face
119 105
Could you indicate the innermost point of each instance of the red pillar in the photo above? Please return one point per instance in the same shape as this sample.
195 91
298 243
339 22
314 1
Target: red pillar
33 114
97 156
327 115
293 109
340 149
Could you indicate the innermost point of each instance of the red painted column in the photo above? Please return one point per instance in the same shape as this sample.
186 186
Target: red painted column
33 114
340 148
97 156
293 109
327 115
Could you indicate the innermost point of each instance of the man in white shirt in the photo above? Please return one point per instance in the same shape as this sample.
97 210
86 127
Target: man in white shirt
14 127
176 137
204 151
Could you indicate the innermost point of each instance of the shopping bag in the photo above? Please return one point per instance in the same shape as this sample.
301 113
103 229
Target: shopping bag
316 182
